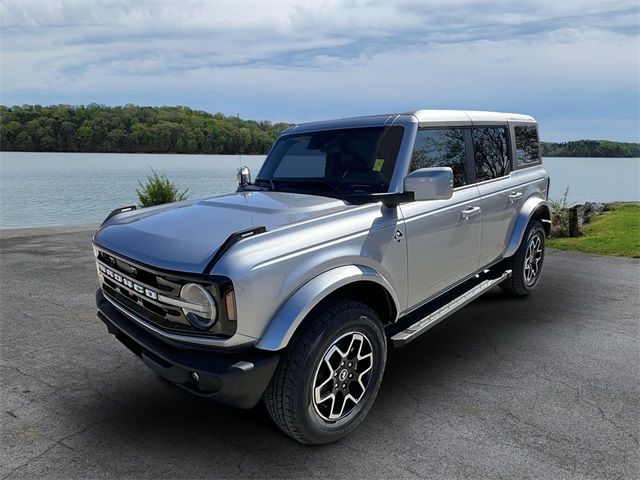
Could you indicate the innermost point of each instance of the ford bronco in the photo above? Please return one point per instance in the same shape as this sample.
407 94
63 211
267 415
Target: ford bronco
356 235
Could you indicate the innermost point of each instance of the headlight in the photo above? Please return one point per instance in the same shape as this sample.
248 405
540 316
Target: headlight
202 313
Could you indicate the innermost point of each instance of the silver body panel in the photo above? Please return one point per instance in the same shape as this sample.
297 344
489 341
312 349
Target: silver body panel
316 244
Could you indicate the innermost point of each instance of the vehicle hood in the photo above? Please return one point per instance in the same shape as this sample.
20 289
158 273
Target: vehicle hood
184 236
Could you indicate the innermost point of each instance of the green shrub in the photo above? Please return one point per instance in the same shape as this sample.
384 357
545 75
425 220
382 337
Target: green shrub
560 215
158 190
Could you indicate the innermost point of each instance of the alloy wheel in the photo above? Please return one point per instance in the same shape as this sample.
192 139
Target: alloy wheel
342 377
533 260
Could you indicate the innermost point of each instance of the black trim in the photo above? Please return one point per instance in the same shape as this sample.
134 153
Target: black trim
471 161
237 378
230 242
128 208
389 199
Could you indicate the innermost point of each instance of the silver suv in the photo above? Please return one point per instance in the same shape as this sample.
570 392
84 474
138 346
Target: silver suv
356 235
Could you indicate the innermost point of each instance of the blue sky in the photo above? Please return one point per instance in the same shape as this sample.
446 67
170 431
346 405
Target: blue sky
574 65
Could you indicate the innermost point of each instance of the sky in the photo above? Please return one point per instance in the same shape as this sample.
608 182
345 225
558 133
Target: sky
574 65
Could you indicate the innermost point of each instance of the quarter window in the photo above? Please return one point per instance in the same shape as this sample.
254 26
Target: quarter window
441 148
527 148
490 152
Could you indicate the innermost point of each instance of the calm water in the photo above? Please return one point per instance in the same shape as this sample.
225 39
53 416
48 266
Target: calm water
41 189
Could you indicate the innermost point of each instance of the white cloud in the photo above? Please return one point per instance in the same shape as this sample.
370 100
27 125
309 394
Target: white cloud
302 60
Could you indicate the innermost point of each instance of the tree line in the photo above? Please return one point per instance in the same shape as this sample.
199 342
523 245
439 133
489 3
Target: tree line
136 129
131 129
590 148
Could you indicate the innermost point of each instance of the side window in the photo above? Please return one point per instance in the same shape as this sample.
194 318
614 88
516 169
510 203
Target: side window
490 152
441 148
527 148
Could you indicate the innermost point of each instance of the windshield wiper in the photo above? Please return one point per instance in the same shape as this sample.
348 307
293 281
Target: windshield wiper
314 183
270 182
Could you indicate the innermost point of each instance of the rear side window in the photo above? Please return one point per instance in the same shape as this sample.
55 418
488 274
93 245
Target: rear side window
441 148
527 147
490 152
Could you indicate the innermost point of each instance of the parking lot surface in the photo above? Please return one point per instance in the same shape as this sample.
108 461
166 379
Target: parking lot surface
542 387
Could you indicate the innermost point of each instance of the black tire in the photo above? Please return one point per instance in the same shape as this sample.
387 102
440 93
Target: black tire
290 395
523 280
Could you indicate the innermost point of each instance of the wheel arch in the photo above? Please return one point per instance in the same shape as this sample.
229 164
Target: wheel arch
354 282
534 208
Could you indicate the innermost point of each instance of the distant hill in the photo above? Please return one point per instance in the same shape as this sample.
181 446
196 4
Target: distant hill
131 129
590 148
135 129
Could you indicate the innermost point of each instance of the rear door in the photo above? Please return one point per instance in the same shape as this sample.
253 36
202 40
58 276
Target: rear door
501 197
443 236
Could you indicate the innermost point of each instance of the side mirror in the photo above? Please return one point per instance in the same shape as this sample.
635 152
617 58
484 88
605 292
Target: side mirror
244 176
435 183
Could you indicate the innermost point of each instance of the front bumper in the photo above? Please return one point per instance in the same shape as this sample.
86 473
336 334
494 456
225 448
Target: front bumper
237 378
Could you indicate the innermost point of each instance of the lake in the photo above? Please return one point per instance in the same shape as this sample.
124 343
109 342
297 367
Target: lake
46 189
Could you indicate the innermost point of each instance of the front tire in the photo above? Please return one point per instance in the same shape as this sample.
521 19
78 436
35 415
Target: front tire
329 374
526 263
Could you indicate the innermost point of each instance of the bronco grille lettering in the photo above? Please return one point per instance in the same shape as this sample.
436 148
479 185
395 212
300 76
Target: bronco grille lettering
128 283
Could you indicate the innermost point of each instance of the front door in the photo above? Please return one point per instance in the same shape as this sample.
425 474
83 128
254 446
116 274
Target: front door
443 236
443 242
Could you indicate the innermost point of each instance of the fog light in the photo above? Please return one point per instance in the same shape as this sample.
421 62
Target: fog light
202 313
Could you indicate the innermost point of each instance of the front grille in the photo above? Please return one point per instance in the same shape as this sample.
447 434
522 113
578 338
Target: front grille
141 290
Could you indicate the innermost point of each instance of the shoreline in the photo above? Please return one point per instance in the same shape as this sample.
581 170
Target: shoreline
6 233
243 154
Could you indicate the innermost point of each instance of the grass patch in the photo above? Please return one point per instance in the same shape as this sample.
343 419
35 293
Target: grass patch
159 190
615 232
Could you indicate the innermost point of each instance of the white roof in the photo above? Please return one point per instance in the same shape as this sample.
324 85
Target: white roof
467 116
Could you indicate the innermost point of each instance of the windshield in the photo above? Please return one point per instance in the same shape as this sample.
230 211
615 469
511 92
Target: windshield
351 160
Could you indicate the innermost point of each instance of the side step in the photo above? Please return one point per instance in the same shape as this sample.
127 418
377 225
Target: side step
421 326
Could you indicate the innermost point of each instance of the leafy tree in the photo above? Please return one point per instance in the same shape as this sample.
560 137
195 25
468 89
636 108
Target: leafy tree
99 128
590 148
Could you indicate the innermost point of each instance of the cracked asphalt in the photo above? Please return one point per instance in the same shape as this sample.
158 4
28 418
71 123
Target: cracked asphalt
545 387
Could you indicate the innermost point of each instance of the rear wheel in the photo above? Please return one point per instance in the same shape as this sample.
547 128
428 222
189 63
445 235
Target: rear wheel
526 263
329 374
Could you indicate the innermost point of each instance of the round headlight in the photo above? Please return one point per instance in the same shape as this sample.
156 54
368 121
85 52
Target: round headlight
203 314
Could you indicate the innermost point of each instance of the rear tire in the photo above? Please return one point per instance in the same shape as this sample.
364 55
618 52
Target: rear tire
526 263
340 351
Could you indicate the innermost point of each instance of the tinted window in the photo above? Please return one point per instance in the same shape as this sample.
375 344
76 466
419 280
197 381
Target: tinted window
441 148
527 148
490 153
356 159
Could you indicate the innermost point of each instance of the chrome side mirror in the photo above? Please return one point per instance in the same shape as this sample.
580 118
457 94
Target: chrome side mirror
244 176
435 183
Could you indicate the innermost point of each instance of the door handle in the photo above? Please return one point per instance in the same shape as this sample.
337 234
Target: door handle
515 196
470 212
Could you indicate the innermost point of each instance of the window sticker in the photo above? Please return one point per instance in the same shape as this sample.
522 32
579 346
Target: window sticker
377 166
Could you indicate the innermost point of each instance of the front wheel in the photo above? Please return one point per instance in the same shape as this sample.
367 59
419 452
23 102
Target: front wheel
526 263
329 374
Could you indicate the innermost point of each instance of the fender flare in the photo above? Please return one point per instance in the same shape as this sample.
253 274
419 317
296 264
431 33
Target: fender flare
529 209
294 310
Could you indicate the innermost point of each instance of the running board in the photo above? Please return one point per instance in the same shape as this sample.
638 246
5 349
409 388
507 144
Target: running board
421 326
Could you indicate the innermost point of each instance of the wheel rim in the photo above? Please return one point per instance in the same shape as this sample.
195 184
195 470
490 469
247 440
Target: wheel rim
342 376
533 260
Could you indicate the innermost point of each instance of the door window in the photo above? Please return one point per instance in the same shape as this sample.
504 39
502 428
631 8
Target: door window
443 147
490 152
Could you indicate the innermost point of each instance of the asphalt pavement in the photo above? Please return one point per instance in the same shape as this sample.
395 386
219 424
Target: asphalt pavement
542 387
